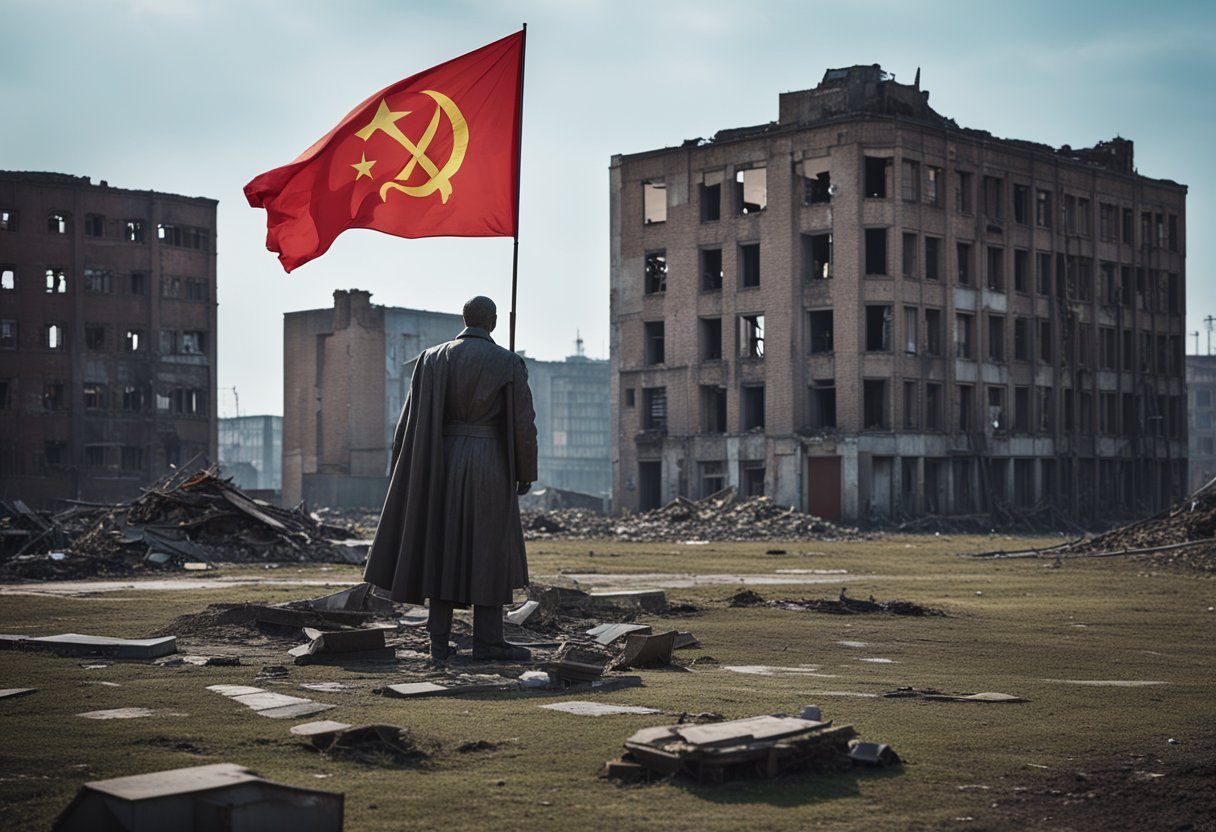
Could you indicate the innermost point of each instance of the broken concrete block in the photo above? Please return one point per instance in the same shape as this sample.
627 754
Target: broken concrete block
234 690
417 690
598 708
214 797
684 641
607 633
810 712
571 671
358 598
74 644
262 700
523 613
343 645
874 754
13 693
324 726
647 600
641 650
273 705
534 679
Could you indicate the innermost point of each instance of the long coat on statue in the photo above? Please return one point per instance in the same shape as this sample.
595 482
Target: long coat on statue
450 526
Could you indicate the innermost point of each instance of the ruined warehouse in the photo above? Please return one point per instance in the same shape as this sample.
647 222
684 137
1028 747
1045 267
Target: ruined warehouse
107 337
865 311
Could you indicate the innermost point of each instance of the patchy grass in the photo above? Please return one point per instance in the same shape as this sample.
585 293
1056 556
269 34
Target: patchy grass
1011 626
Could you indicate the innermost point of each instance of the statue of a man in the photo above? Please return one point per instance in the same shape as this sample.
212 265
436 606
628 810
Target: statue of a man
464 448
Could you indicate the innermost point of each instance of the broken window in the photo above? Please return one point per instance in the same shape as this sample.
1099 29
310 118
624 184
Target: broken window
1021 266
712 476
996 269
8 220
57 222
711 269
909 255
713 408
711 339
876 251
53 335
875 185
751 190
94 337
97 281
132 458
911 406
933 185
711 197
817 188
163 401
749 265
137 283
874 404
933 406
823 403
751 336
933 258
911 335
187 400
933 332
996 338
879 323
1108 222
8 278
8 334
1021 339
1161 237
816 256
1042 208
194 341
94 225
654 408
994 197
965 269
1146 230
964 327
654 202
95 455
135 231
962 192
1043 274
1045 342
168 342
94 396
656 272
133 398
820 324
751 478
655 342
1021 204
169 234
56 280
910 180
53 396
132 339
996 408
196 289
752 403
170 287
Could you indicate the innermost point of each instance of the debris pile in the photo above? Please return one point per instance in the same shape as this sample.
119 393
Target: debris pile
720 517
841 605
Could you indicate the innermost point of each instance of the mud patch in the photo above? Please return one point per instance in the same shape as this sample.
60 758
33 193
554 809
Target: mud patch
841 605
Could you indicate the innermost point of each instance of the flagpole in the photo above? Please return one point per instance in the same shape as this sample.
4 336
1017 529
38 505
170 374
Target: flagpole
519 150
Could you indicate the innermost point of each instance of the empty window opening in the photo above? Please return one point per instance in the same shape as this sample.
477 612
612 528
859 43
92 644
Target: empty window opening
713 409
95 456
53 336
910 180
875 185
751 336
132 458
818 188
8 278
94 337
996 269
189 401
934 178
911 333
1045 411
874 404
996 408
1021 268
655 342
994 197
876 251
630 397
650 485
1021 409
1042 208
133 398
816 256
909 255
656 272
933 332
94 396
711 201
749 265
137 283
1043 274
135 231
1045 351
56 281
8 220
1021 204
752 402
654 202
1021 339
962 192
170 286
8 334
933 258
911 406
712 476
654 408
196 289
168 341
751 479
966 406
711 339
964 326
823 403
169 234
820 324
879 323
53 395
94 225
711 269
57 222
194 341
1173 233
965 268
751 190
933 406
98 281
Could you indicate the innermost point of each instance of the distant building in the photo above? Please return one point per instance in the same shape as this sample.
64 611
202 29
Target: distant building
107 337
345 377
251 451
1201 392
573 423
863 310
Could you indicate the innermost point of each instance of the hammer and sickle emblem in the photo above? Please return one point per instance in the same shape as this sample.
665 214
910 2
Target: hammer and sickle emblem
385 121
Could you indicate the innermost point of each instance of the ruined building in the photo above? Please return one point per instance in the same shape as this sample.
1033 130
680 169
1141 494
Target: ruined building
107 337
573 422
863 310
1201 390
251 452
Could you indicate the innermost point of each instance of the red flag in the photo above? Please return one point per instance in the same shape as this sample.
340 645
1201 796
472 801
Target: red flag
434 155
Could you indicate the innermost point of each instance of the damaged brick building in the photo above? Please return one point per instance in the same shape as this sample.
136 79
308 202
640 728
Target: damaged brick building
865 311
107 336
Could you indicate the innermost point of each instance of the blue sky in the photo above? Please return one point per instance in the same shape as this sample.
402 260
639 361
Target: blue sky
198 96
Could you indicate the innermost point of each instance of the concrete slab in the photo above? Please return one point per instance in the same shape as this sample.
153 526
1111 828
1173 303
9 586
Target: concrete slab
118 713
119 648
328 687
581 708
651 600
324 726
769 670
13 693
234 690
607 633
295 711
264 700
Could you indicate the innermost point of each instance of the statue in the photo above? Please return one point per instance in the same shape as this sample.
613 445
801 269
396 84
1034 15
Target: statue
464 448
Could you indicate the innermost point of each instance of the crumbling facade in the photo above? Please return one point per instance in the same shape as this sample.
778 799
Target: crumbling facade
251 452
1201 408
573 423
865 311
346 371
107 337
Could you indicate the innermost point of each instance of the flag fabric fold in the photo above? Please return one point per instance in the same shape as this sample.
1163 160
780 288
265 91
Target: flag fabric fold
435 154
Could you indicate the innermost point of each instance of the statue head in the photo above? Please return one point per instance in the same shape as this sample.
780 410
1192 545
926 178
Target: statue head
481 312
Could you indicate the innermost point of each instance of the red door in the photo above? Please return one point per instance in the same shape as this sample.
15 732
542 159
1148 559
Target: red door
823 487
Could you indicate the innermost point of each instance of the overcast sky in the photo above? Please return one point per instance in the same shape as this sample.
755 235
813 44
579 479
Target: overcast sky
196 97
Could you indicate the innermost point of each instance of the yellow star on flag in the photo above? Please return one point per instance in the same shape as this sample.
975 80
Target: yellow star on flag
363 166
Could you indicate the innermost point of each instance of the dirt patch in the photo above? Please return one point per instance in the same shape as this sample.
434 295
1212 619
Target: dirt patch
379 745
1172 788
842 605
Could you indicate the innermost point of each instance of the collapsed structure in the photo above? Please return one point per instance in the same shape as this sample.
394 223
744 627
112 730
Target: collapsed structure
865 311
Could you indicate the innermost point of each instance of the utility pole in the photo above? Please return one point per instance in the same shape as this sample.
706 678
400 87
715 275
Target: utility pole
1211 322
1196 334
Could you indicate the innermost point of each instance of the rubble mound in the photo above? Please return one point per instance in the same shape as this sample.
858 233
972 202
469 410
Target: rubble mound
721 518
841 605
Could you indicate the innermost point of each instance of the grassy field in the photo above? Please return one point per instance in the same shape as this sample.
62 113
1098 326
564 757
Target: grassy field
1029 627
